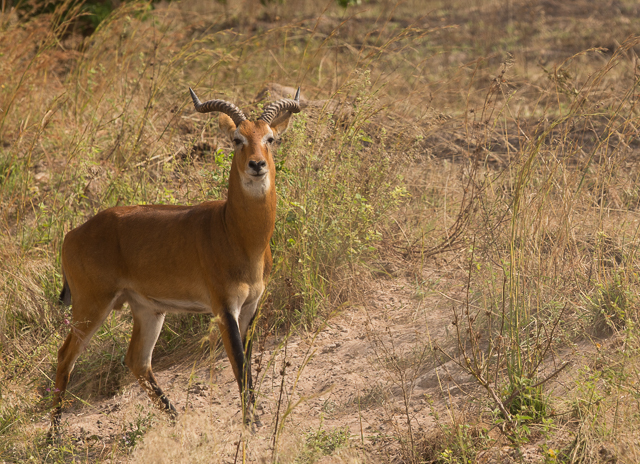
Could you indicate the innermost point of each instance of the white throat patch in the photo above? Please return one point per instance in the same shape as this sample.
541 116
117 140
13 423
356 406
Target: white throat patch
256 188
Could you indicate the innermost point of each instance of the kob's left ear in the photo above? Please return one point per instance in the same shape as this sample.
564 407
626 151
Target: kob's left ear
281 123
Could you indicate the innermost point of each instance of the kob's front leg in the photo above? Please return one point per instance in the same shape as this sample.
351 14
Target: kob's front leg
240 363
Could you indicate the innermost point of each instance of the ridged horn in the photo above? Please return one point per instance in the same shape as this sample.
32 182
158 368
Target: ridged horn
275 108
222 106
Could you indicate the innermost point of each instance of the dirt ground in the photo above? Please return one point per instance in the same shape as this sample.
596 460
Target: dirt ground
331 371
354 374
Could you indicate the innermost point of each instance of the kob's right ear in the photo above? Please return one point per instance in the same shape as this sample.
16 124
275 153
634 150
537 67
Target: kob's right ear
227 126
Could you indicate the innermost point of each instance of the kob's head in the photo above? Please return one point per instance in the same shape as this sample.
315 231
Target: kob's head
253 140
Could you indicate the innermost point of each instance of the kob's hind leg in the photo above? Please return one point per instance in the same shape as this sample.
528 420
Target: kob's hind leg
147 325
82 329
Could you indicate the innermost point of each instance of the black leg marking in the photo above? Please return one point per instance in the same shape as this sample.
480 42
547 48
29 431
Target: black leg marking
161 400
238 358
251 398
165 401
56 418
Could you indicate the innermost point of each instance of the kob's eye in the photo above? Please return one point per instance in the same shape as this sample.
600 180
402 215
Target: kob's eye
237 141
270 140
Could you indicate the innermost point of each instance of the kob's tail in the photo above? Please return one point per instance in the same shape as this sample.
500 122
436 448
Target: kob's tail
65 294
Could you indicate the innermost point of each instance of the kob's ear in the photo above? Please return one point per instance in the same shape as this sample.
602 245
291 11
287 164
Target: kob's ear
227 125
281 123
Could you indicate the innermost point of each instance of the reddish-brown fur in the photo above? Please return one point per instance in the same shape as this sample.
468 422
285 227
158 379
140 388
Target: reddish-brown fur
213 257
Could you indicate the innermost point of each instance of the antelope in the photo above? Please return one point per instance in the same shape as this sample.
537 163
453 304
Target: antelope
210 258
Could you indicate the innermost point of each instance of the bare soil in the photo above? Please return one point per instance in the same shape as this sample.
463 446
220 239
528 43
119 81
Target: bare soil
367 370
342 375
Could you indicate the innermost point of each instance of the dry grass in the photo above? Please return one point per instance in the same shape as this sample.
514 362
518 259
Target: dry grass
495 142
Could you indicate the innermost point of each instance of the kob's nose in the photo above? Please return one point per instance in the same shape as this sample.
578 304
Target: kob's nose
257 166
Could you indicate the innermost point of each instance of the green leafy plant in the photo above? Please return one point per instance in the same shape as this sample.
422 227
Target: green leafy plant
612 306
323 442
135 431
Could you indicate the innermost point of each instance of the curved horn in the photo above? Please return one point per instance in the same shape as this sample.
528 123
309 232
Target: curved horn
275 108
231 110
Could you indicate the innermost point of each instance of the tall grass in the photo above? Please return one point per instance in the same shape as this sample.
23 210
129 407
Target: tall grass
552 248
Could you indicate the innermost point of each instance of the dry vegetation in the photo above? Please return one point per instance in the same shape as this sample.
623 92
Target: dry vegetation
458 224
